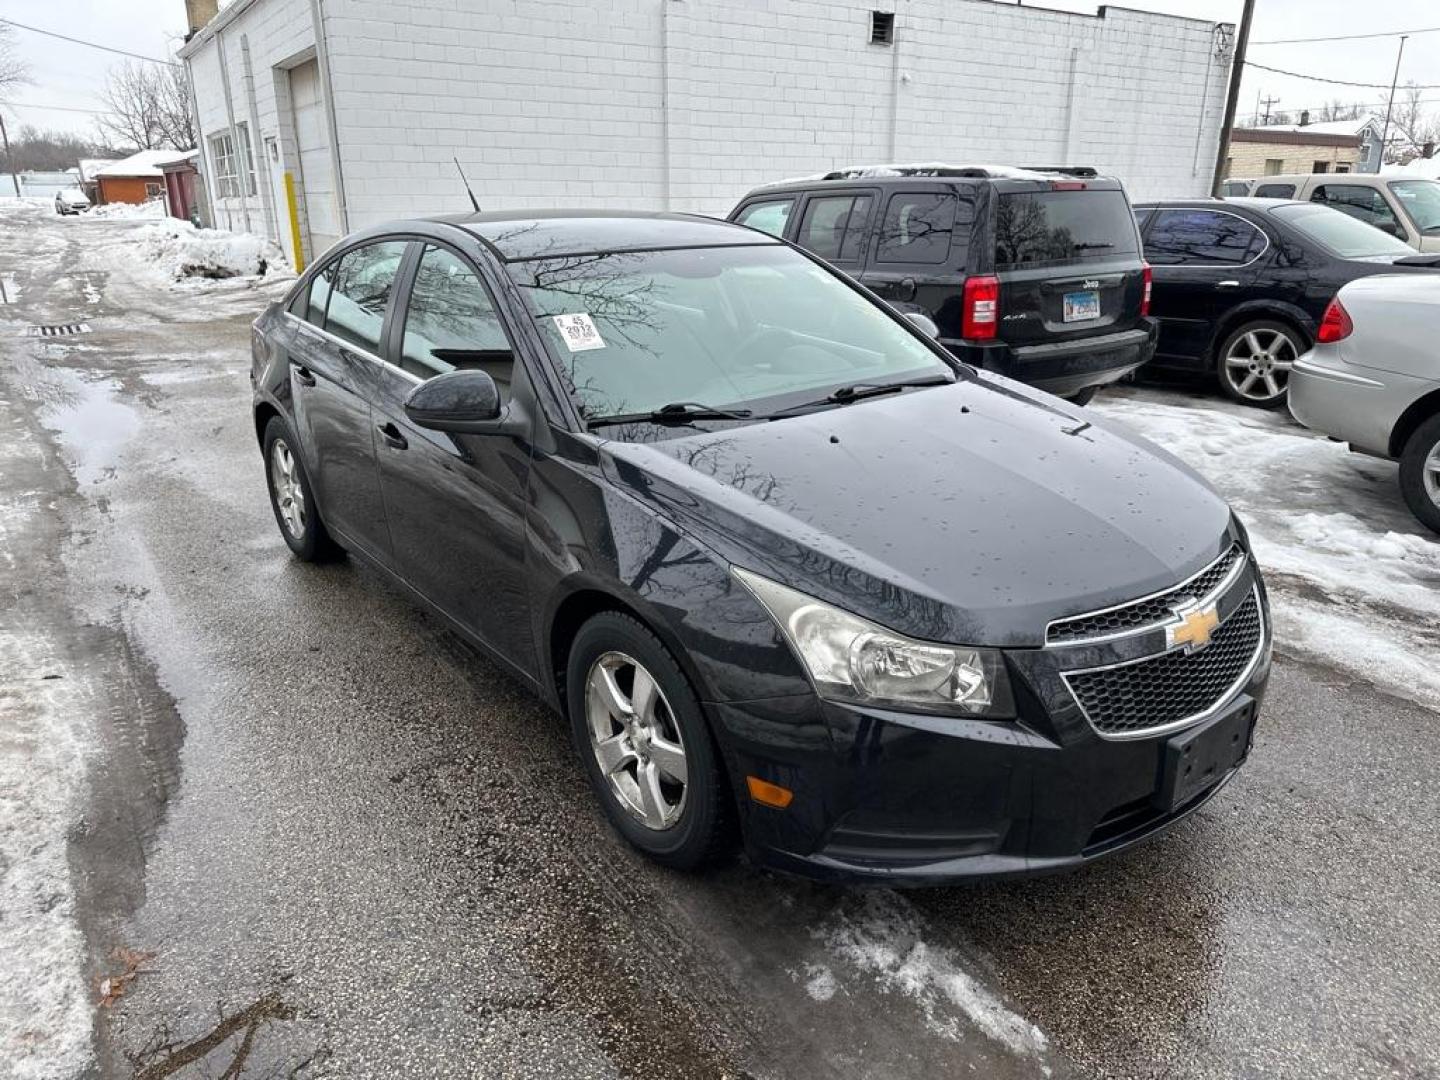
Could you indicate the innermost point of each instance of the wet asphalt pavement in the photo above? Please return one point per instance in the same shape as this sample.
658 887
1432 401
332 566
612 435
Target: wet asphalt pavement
337 842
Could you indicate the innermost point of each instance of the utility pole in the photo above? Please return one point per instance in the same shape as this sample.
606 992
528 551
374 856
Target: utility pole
1268 102
1237 71
5 139
1390 108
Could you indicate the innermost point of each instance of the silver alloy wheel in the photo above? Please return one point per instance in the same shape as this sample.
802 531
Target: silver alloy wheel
636 740
289 493
1258 365
1430 474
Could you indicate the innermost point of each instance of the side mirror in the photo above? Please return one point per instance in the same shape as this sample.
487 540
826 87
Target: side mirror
463 402
1391 227
923 323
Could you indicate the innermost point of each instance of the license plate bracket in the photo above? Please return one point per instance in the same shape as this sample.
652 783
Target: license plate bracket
1196 759
1080 306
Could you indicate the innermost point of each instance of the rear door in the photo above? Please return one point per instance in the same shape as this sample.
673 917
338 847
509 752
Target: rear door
918 250
1204 263
1068 259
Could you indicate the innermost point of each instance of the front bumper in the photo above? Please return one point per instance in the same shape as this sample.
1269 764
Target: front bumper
908 799
1064 367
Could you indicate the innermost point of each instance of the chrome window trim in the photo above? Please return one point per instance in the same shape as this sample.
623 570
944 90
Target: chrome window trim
352 347
1221 702
1209 265
1219 590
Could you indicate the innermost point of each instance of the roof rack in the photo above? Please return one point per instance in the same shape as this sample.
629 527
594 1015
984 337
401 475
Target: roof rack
1065 170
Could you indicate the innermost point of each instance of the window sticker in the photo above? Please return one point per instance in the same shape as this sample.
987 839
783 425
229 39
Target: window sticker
578 332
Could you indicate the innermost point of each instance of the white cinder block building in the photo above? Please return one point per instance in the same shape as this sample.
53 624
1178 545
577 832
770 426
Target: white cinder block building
679 104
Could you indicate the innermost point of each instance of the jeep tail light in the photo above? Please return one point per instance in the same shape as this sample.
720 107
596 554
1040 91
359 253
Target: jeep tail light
1149 277
1336 325
981 308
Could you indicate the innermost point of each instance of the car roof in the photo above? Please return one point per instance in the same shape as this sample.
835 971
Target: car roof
940 174
1243 202
540 234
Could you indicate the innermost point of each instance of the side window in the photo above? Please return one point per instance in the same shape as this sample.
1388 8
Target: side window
452 323
1201 238
361 291
770 216
1275 191
834 227
1235 187
318 299
1141 217
918 227
1364 203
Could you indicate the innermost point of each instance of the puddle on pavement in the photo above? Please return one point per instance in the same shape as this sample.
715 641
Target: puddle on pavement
93 427
228 1046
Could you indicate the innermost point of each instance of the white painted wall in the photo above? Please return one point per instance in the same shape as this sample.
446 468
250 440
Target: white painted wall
690 103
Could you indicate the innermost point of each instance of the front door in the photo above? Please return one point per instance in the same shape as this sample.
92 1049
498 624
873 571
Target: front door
456 503
334 368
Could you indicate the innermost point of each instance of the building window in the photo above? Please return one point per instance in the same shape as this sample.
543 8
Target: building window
1320 166
882 27
1342 166
1274 166
227 164
152 191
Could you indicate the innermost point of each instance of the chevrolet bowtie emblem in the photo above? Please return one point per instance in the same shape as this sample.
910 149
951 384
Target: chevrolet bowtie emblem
1192 628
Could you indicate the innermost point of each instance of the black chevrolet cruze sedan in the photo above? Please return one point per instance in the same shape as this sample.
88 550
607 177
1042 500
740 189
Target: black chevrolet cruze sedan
788 567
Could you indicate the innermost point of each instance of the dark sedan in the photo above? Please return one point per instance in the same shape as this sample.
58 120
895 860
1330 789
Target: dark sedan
789 569
1240 286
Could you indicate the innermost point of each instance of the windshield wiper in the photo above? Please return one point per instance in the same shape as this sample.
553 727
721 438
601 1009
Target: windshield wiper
844 395
677 412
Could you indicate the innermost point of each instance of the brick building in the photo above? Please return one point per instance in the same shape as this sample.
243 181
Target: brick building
680 104
1338 146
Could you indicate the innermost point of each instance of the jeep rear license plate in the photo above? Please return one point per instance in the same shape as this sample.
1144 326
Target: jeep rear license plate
1080 306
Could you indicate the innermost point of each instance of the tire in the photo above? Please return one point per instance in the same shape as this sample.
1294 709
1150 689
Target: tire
686 826
1420 473
1084 397
1254 361
303 531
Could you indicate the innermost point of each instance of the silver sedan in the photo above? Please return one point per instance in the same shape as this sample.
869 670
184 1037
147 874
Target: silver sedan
1373 380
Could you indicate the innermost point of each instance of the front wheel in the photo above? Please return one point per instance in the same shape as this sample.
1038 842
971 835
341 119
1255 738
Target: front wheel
1420 473
647 750
1255 361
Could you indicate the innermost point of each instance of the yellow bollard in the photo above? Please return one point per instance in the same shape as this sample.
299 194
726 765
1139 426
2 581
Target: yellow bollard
294 223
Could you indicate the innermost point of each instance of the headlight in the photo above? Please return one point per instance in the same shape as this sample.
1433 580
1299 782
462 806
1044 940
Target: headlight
851 659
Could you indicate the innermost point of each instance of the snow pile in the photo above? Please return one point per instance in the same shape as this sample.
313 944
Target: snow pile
879 933
180 250
154 208
1352 575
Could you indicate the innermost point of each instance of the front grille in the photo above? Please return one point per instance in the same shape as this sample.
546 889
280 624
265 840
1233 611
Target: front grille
1166 690
1141 613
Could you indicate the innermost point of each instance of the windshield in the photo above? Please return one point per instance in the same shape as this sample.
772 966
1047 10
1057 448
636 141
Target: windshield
1340 234
728 327
1421 200
1062 226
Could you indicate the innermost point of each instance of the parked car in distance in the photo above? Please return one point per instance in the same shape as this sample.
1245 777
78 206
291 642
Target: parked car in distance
71 201
1033 274
1373 380
781 560
1406 207
1240 285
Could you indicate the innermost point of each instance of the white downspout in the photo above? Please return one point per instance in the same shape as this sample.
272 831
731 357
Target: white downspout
235 144
322 58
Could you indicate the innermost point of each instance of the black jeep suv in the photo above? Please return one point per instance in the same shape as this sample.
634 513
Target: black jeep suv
1031 273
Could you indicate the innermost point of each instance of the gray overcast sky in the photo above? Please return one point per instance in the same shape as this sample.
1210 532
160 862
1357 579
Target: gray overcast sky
70 75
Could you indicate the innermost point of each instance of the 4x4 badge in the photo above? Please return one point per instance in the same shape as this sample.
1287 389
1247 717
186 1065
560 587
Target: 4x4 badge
1193 627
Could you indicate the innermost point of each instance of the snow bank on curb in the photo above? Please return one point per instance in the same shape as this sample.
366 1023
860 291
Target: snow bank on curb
179 250
882 935
154 208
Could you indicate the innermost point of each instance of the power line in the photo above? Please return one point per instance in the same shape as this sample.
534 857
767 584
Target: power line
59 108
1335 82
1346 37
91 44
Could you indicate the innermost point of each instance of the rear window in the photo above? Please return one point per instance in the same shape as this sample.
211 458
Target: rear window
1034 228
1339 233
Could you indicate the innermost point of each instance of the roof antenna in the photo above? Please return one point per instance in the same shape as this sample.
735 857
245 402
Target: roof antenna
461 171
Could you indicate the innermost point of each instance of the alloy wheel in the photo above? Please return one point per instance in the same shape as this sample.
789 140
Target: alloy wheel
289 492
1430 474
1259 363
636 741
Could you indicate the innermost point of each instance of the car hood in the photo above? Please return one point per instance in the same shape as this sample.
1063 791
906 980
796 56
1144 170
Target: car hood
972 513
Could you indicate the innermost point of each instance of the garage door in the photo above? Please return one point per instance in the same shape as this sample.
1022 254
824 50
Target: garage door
317 180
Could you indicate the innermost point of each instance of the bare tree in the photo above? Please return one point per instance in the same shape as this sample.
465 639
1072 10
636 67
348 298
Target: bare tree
1413 125
148 107
14 72
1337 110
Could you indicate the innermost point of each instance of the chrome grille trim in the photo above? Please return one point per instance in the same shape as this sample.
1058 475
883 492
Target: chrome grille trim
1234 552
1225 698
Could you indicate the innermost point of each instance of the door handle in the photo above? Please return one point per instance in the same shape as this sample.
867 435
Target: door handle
303 376
391 434
1227 285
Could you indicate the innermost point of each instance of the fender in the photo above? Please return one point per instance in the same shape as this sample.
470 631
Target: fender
1260 309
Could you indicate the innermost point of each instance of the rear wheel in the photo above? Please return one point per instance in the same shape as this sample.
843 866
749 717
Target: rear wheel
292 498
647 750
1084 397
1255 361
1420 473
